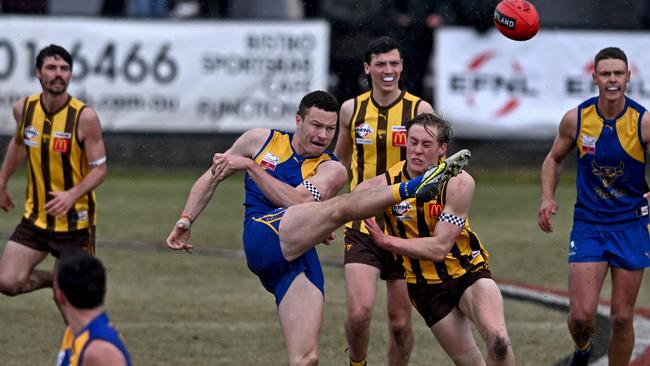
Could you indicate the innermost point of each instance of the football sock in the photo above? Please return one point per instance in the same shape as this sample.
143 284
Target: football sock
406 189
585 347
362 362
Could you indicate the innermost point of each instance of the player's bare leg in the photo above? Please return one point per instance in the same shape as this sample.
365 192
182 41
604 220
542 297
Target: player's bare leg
301 316
585 283
625 288
454 334
400 331
361 288
483 305
17 273
305 225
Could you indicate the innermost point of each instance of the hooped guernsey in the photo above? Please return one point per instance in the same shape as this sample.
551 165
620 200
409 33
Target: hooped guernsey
56 162
414 218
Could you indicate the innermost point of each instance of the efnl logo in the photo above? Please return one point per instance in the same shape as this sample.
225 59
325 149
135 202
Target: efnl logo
492 83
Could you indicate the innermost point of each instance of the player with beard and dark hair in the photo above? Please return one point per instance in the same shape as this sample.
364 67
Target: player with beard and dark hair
61 139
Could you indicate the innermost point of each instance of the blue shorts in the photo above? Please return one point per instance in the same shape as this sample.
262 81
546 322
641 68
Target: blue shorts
264 256
625 247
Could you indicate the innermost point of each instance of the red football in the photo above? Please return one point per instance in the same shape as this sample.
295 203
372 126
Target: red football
516 19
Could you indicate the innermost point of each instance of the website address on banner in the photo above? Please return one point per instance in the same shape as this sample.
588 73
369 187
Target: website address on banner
245 108
131 102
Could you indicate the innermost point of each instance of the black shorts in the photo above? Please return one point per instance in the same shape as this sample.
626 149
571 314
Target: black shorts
359 248
53 242
436 301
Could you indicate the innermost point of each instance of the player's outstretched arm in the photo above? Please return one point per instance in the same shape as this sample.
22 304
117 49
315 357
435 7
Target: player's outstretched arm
15 155
552 168
460 193
90 134
239 155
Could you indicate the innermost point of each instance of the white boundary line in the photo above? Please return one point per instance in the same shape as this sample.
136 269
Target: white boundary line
641 323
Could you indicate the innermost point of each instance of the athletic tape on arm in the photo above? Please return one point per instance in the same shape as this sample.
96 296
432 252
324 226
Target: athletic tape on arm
98 162
312 189
452 219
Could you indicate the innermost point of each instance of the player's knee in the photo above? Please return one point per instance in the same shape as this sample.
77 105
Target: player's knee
360 317
468 357
360 313
499 347
400 329
581 322
11 286
620 322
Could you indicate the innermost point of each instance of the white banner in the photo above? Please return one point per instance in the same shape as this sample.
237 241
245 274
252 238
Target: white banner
492 87
172 75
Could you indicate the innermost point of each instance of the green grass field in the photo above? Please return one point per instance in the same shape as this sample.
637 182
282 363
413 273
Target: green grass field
208 309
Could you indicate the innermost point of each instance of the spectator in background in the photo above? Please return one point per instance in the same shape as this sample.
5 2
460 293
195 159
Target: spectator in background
112 8
353 24
478 14
213 8
148 8
416 21
24 6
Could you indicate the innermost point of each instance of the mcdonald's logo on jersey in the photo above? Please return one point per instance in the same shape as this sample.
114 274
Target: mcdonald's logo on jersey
61 142
398 136
435 209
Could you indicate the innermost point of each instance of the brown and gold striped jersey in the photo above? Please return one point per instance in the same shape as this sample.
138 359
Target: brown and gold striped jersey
378 137
56 162
412 218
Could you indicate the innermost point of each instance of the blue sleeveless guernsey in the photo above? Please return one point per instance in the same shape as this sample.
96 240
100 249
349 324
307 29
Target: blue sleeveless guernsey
611 165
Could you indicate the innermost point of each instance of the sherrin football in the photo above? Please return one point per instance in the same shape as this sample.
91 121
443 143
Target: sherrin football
516 19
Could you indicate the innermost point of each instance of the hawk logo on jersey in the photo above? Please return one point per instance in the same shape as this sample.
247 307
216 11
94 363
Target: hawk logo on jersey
270 161
82 216
30 137
61 141
398 136
588 144
362 131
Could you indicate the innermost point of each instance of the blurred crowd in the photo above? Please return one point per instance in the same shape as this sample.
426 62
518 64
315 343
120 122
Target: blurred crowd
353 24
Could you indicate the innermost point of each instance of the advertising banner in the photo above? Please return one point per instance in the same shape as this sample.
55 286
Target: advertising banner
166 76
492 87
